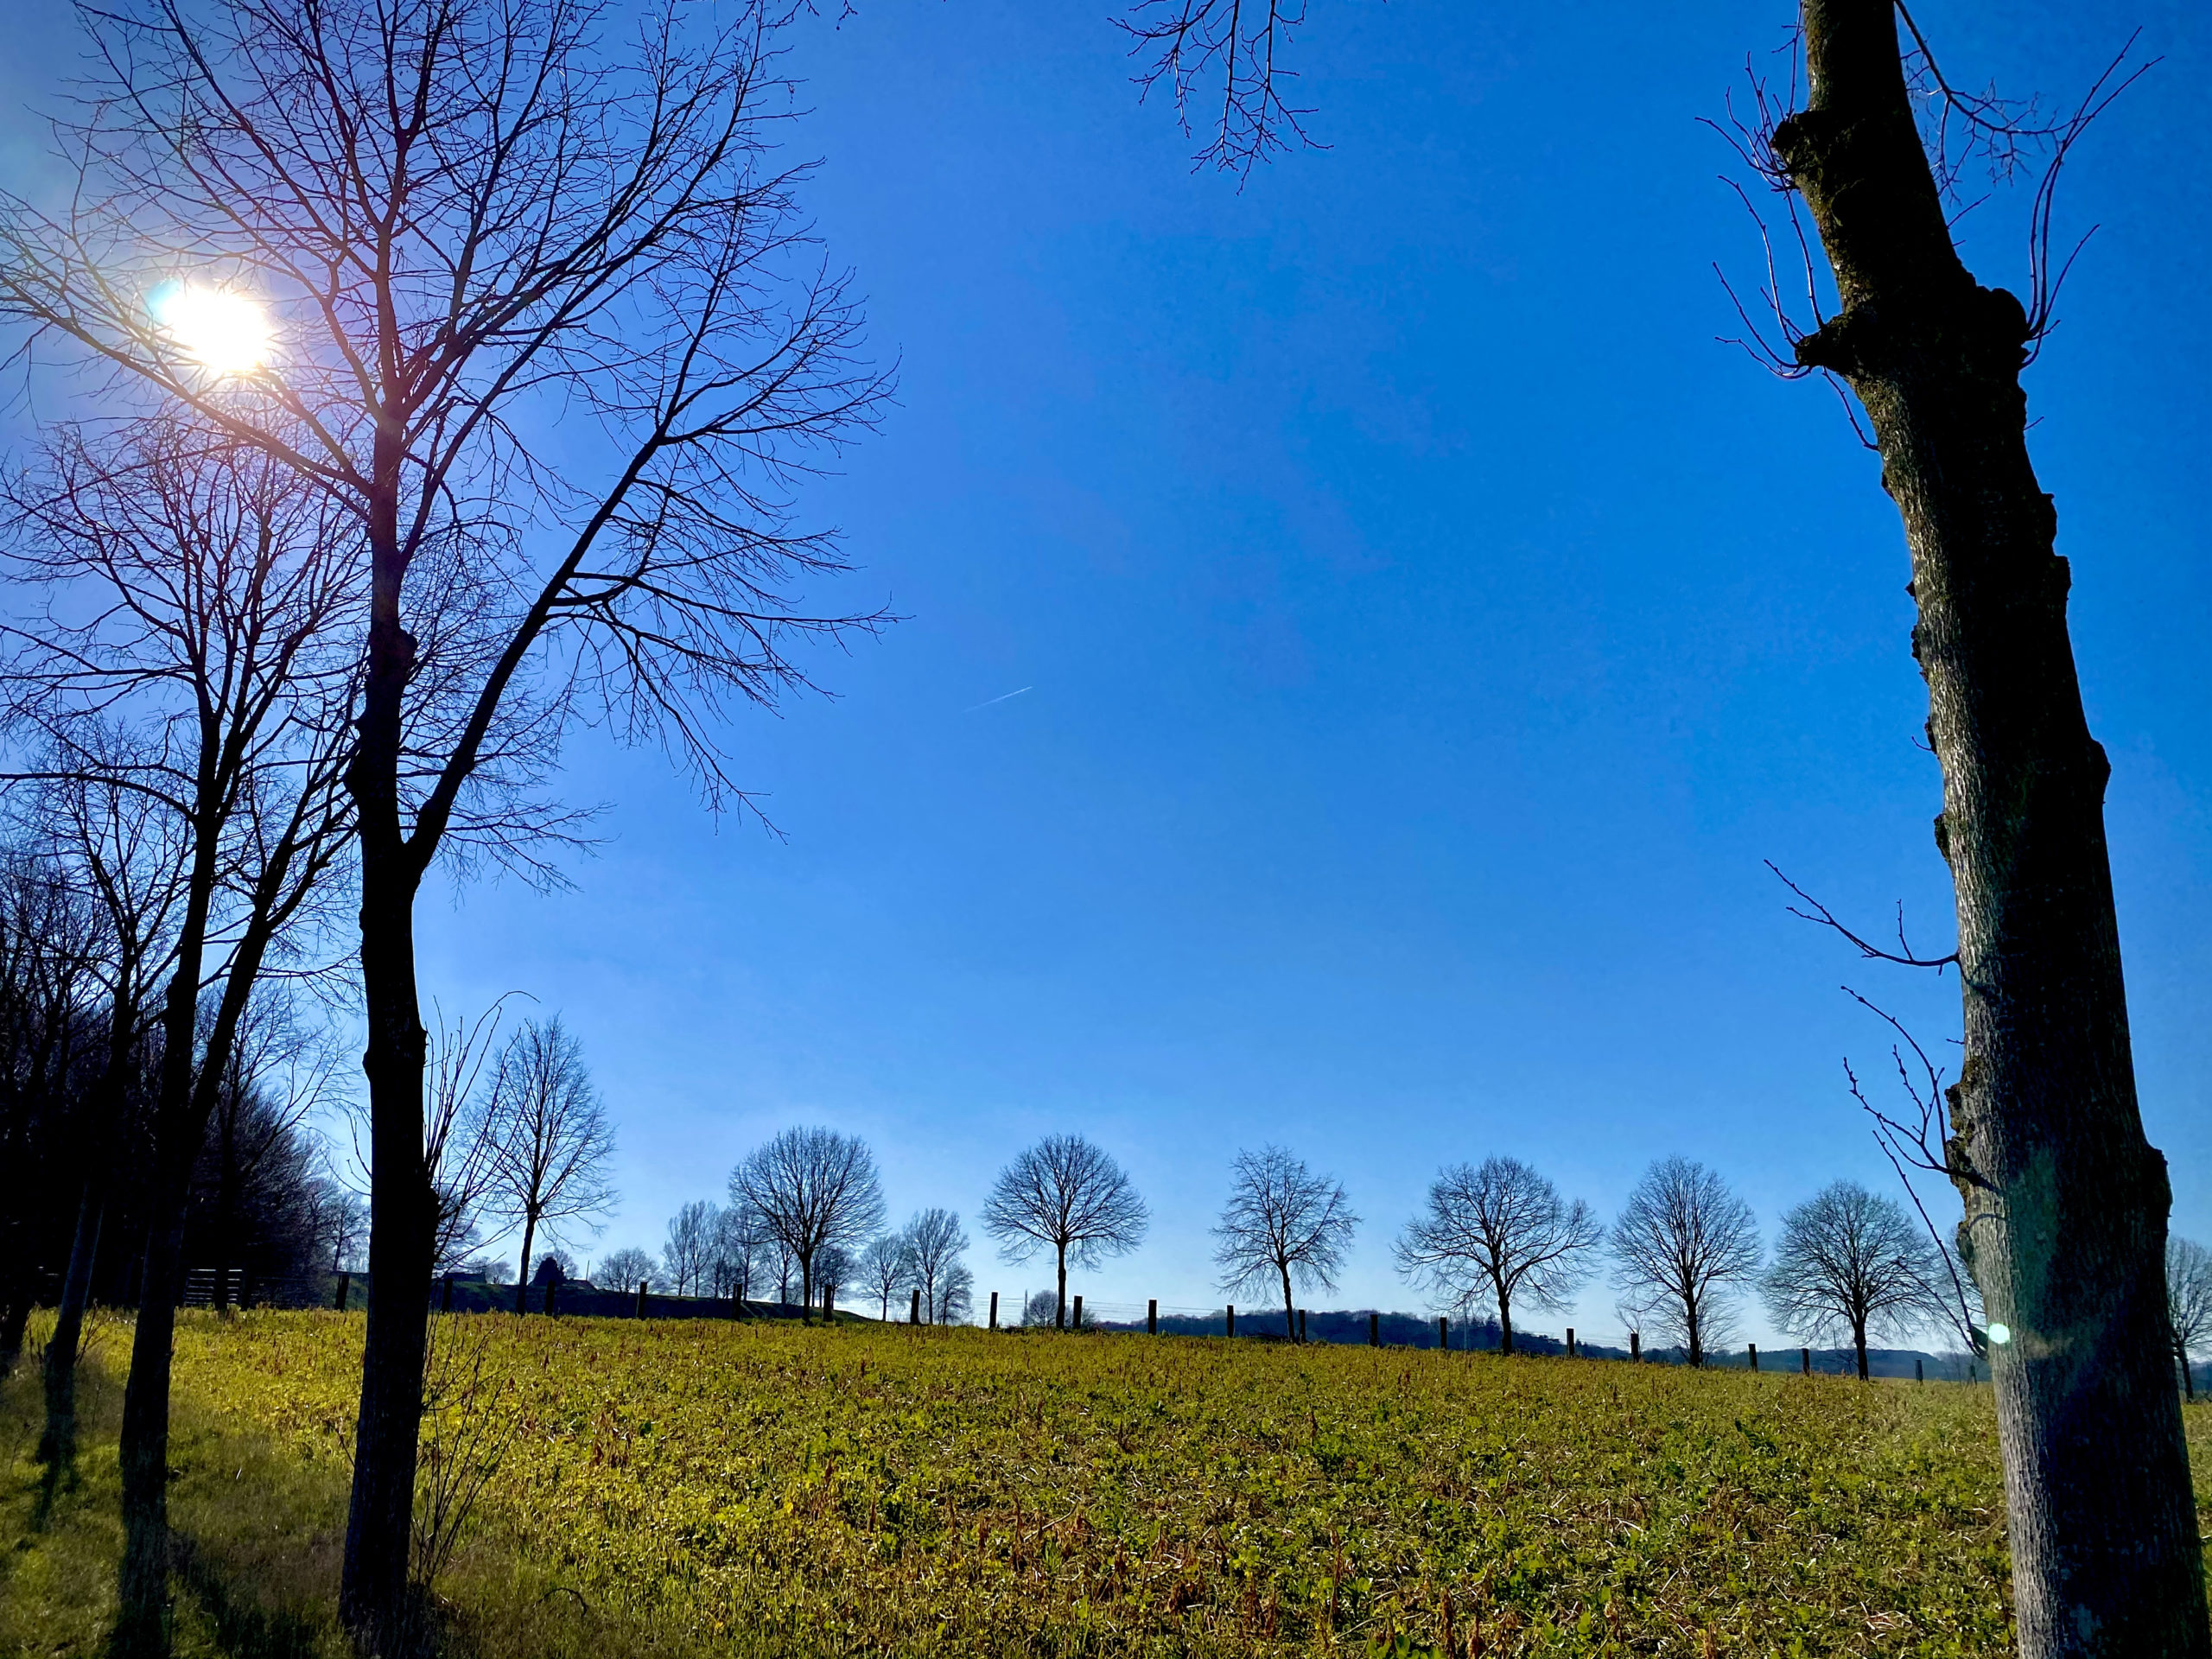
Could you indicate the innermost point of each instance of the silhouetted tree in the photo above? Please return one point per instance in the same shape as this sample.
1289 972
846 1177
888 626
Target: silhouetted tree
1851 1261
1068 1196
1498 1234
884 1270
933 1242
549 1137
1683 1244
688 1246
2188 1304
814 1190
191 652
625 1270
1282 1222
472 221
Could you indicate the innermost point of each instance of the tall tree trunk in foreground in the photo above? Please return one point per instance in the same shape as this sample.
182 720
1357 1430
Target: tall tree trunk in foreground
373 1600
2066 1202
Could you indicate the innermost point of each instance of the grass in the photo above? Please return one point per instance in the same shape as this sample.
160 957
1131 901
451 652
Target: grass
682 1489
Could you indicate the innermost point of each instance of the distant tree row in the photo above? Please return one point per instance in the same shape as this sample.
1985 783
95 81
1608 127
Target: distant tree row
1492 1239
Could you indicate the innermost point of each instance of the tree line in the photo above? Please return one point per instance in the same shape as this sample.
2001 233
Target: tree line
1492 1239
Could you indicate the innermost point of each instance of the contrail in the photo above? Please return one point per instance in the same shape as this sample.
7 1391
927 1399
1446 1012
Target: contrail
988 701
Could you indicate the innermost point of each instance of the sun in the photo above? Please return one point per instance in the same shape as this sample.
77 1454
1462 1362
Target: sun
226 332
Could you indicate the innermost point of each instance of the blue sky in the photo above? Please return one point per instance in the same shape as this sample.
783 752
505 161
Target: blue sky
1423 630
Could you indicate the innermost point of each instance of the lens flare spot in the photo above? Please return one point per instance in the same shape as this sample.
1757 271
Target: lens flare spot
2000 1334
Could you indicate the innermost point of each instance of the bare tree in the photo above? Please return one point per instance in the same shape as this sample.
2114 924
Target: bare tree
932 1242
739 1241
689 1246
2066 1202
468 221
1851 1261
1683 1244
886 1269
1500 1234
1065 1195
550 1138
814 1190
188 654
1282 1222
2188 1304
625 1270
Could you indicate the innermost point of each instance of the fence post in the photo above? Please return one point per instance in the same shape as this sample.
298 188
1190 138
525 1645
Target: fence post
642 1283
1443 1333
1301 1325
914 1306
344 1285
1232 1319
1805 1361
1570 1342
1078 1313
830 1304
995 1310
445 1295
1375 1330
1755 1355
1636 1347
552 1287
1917 1374
1152 1317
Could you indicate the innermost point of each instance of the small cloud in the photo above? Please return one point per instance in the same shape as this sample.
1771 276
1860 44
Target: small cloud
988 701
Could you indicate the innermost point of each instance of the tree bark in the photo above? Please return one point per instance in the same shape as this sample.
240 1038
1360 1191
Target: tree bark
1859 1342
373 1598
57 1445
2065 1200
1060 1310
1504 1319
522 1277
1289 1306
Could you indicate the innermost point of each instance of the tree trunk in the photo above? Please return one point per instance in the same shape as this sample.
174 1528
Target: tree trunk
1504 1319
57 1445
141 1577
373 1600
2065 1200
1859 1342
521 1278
1289 1306
2187 1383
806 1289
1060 1309
1693 1330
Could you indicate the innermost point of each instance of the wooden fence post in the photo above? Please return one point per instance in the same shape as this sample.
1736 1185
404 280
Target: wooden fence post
1755 1355
1570 1342
1919 1375
1805 1361
642 1283
914 1306
552 1286
1078 1313
995 1310
1232 1319
1152 1317
1301 1325
1375 1330
1443 1333
830 1304
345 1286
1636 1347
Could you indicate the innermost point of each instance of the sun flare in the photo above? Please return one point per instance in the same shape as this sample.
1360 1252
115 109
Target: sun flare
226 332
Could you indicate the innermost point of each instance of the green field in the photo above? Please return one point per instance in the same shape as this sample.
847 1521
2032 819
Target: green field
671 1488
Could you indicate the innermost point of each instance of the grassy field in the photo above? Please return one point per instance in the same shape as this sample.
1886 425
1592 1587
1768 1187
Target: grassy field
703 1487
